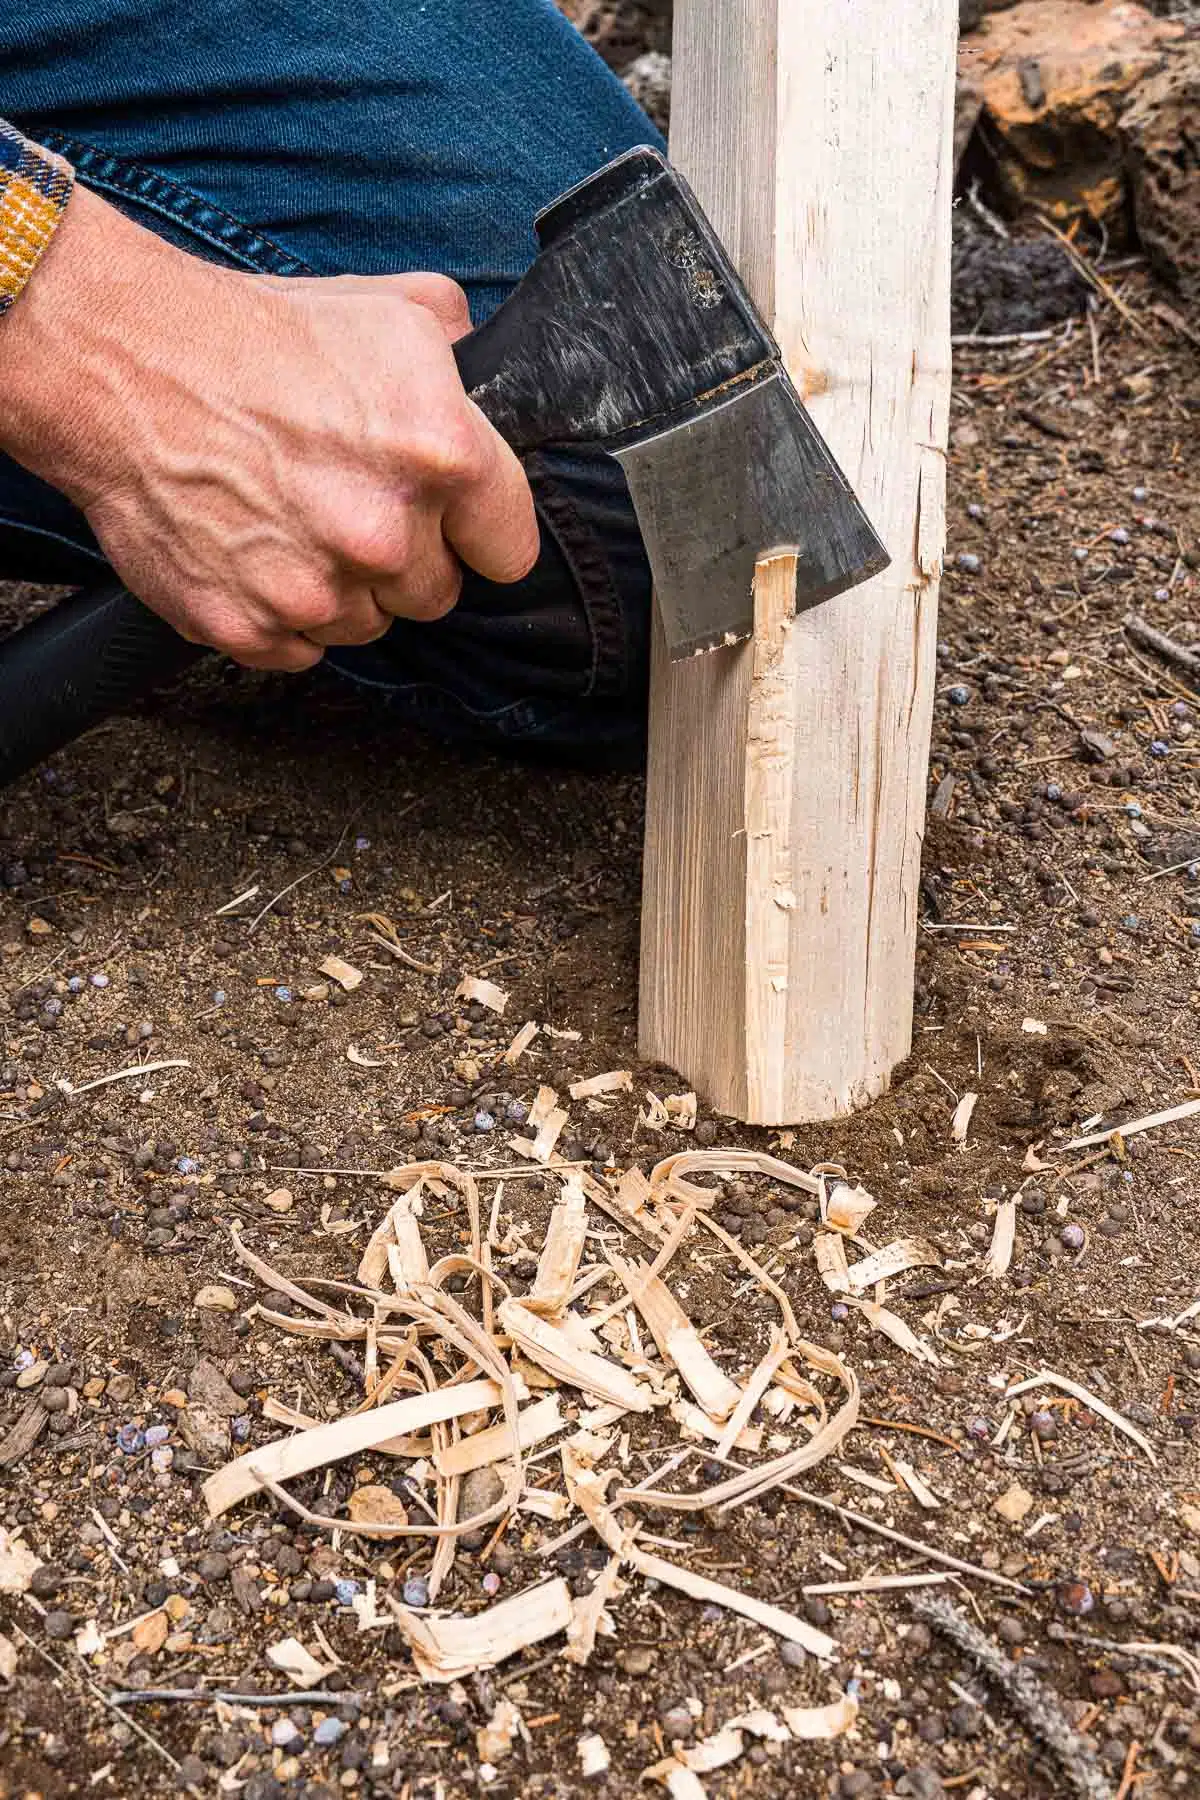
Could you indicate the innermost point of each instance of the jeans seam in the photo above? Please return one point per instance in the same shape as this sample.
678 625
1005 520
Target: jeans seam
236 240
593 581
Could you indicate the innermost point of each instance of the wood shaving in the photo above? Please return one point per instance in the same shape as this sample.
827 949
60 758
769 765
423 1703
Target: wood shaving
520 1044
820 1722
559 1263
960 1124
344 973
1150 1122
615 1081
1004 1231
1048 1378
849 1208
484 993
893 1259
892 1326
448 1648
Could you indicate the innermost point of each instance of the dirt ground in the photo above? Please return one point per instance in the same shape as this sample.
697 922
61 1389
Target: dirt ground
1058 980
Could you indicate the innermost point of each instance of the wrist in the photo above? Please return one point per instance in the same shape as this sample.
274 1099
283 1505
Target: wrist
79 339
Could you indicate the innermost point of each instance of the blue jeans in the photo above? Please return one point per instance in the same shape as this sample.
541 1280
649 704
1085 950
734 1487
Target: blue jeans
300 137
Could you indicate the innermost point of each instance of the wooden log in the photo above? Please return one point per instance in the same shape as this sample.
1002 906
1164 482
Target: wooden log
787 776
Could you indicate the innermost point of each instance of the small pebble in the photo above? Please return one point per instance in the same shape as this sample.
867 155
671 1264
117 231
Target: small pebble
1043 1425
1119 536
1076 1597
490 1583
416 1591
1159 748
839 1311
345 1590
1072 1237
283 1732
284 995
100 980
329 1732
484 1121
59 1624
958 695
130 1440
968 562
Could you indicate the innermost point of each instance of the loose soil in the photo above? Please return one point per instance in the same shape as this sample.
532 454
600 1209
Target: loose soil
1061 885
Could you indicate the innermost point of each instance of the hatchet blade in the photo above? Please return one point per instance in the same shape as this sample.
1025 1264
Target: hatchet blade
762 479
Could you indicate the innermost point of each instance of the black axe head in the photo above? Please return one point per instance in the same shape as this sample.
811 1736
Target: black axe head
634 329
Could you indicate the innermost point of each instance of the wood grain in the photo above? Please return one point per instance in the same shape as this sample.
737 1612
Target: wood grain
787 777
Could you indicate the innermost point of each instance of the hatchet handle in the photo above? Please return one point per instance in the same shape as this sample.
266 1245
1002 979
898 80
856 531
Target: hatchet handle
75 665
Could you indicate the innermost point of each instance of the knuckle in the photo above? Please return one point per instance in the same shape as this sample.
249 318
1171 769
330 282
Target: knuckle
455 456
378 538
305 609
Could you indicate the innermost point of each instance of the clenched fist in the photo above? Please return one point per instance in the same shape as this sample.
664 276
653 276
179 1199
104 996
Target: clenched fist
273 465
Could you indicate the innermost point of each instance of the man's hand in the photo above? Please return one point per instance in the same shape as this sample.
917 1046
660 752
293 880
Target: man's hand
274 465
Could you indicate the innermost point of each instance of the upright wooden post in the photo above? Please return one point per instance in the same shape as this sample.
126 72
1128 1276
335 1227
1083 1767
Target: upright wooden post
787 777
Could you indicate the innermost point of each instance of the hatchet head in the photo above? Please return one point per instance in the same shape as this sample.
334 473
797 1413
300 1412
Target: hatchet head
633 329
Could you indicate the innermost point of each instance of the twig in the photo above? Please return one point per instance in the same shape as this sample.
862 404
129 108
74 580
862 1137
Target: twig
1097 281
849 1516
146 1736
1033 1702
1162 645
85 1087
324 863
136 1696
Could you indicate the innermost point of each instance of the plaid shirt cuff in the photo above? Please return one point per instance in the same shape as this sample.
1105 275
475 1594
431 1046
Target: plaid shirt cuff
35 186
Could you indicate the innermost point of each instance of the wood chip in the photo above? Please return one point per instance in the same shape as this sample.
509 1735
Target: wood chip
549 1346
494 1740
715 1752
1150 1122
615 1081
8 1658
814 1723
589 1615
541 1148
961 1122
849 1208
361 1060
1048 1378
892 1326
449 1648
594 1758
299 1665
920 1490
1004 1231
520 1044
344 973
829 1250
484 993
215 1298
17 1564
681 1110
151 1632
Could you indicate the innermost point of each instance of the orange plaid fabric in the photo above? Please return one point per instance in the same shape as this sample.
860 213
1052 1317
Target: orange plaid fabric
35 186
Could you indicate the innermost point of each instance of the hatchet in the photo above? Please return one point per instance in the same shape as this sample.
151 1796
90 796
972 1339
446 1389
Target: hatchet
632 330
